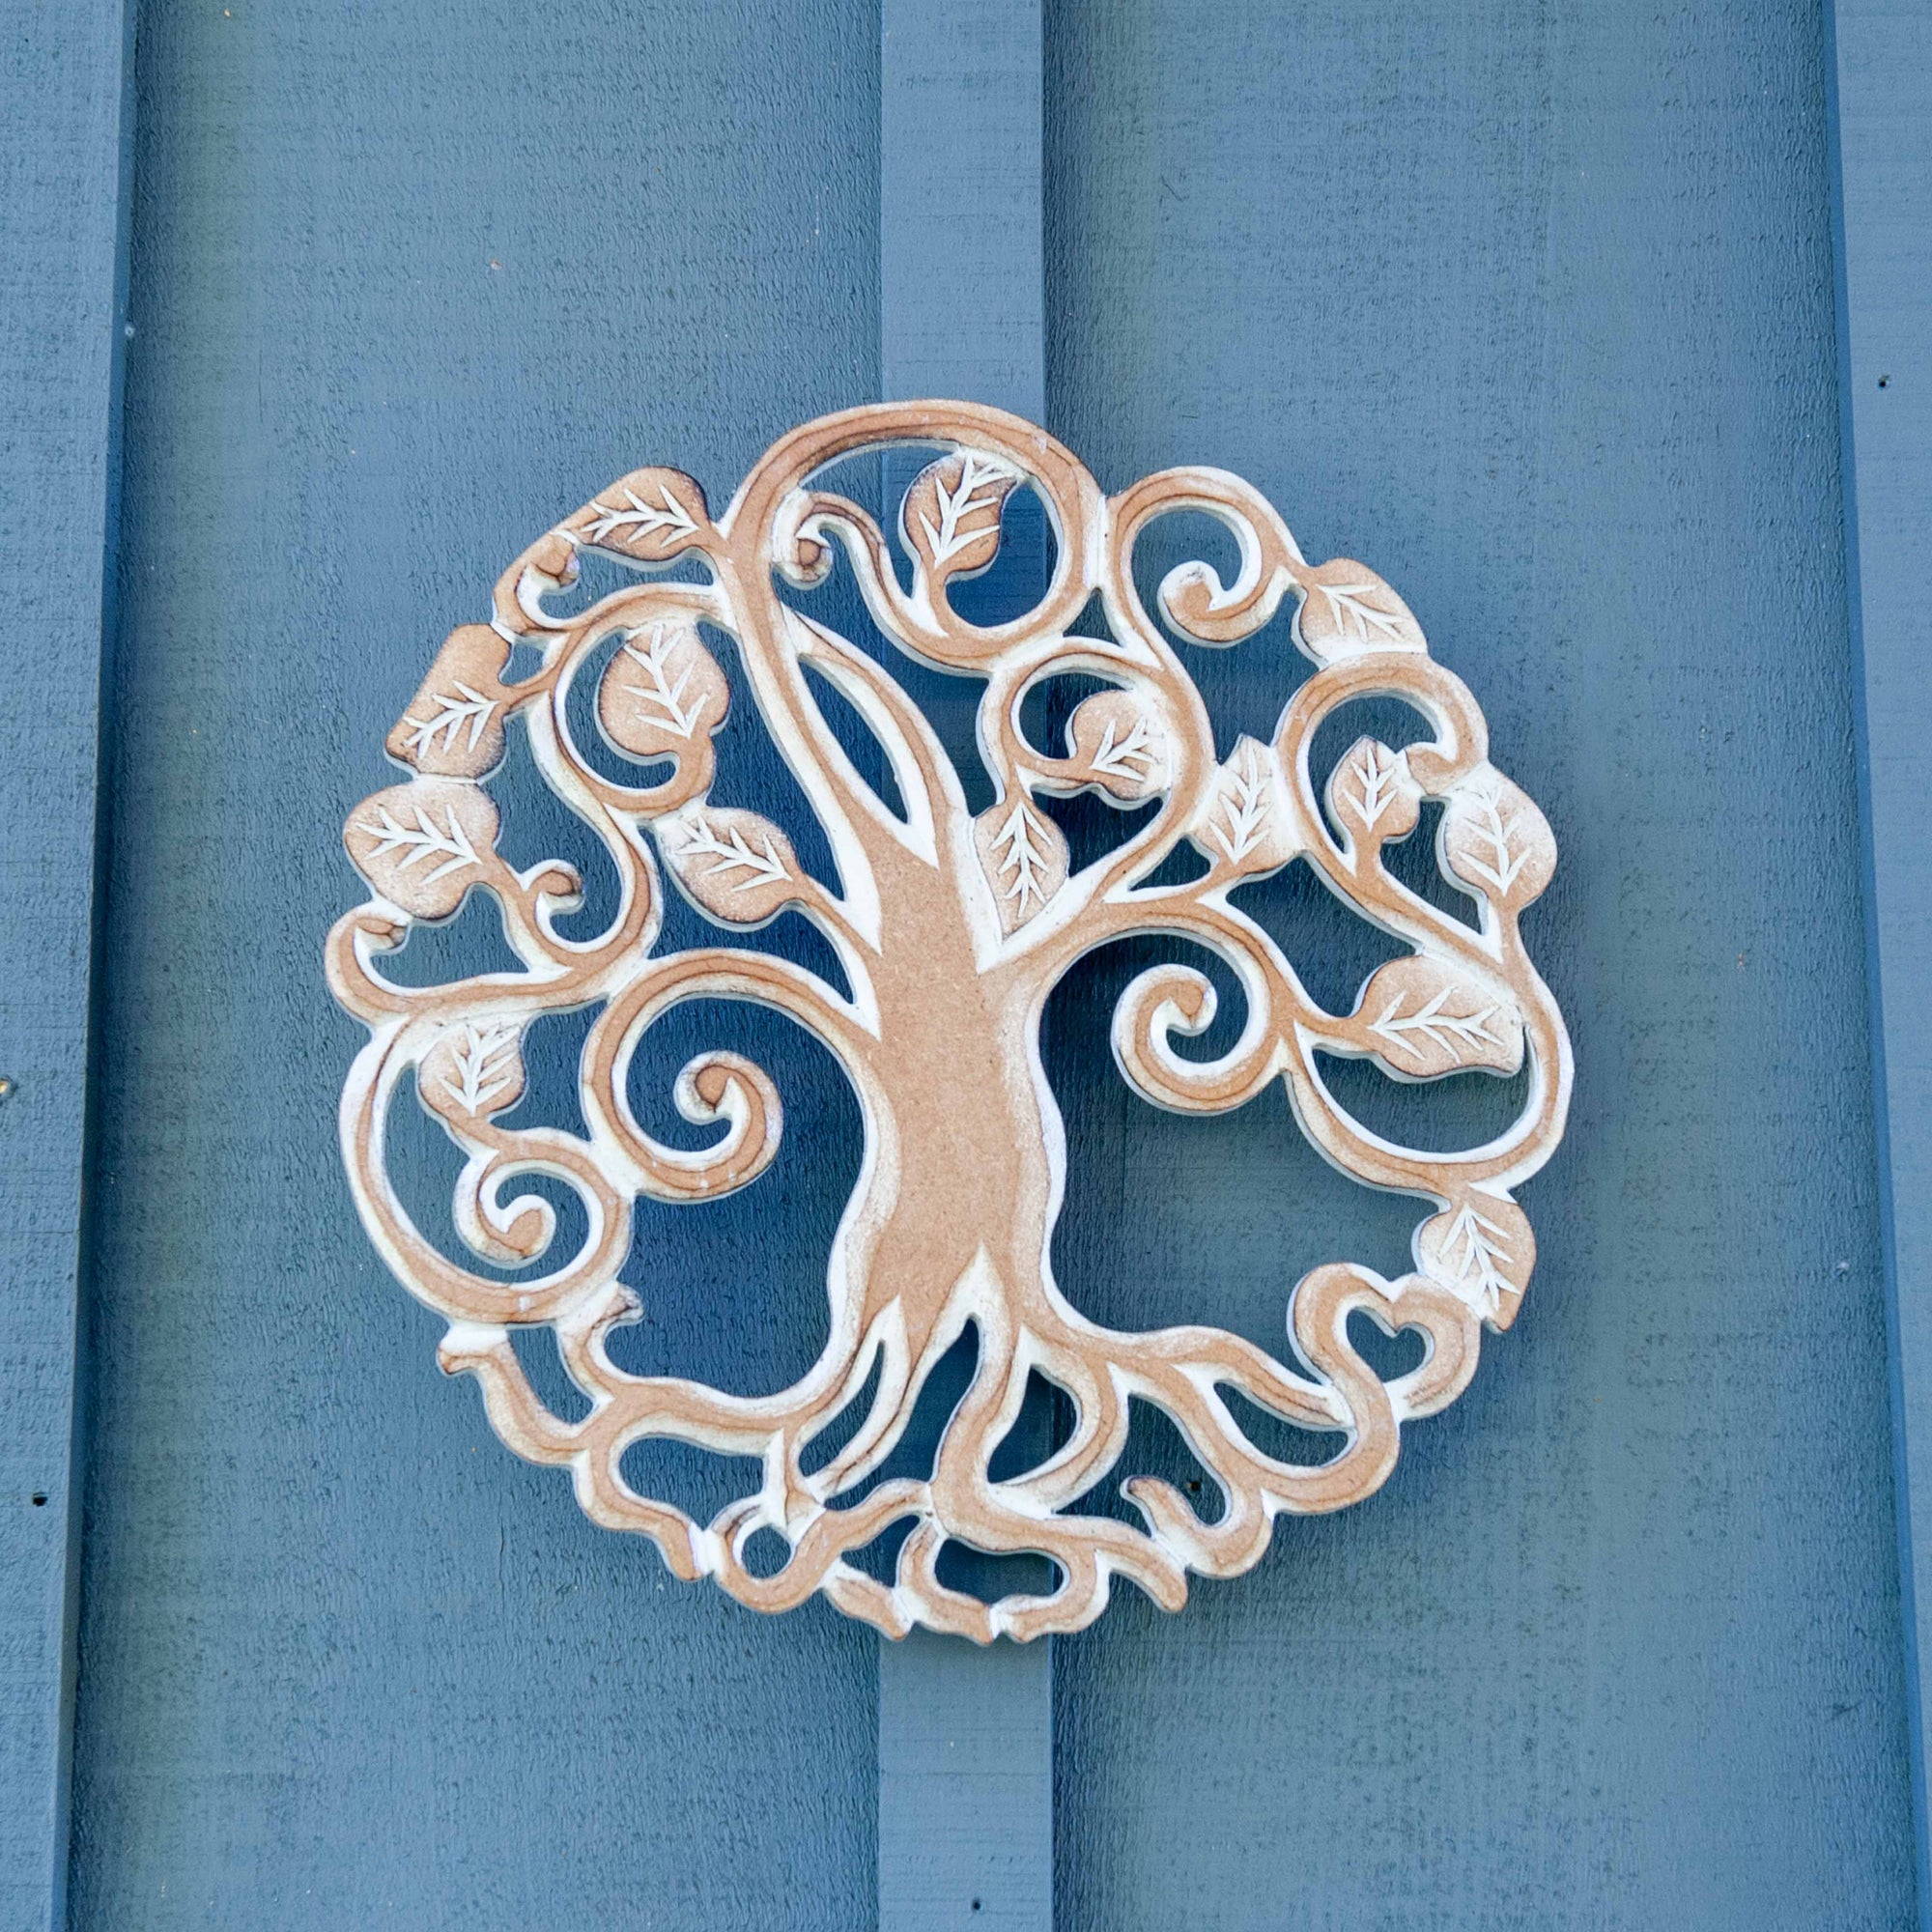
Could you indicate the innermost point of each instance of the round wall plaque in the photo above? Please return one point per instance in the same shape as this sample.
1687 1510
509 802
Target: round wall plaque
952 927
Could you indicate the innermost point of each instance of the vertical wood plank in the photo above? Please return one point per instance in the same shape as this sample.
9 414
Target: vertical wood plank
1529 308
961 284
409 279
61 71
1882 160
965 1786
965 1736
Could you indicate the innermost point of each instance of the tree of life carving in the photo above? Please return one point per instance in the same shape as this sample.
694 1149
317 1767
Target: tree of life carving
951 929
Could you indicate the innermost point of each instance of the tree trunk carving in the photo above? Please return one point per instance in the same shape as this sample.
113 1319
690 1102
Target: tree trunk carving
952 931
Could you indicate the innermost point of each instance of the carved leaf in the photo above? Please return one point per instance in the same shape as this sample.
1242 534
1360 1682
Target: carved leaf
1024 856
1495 838
1371 796
1349 609
1481 1250
662 693
454 726
1242 827
650 514
1120 746
423 844
474 1070
950 516
1422 1019
735 866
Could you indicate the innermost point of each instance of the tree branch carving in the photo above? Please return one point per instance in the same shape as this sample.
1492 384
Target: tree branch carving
952 932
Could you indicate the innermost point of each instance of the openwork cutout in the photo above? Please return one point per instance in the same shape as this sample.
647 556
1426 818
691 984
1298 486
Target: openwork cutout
951 929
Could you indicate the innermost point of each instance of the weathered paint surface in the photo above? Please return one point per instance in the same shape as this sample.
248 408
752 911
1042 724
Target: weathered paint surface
408 281
1534 305
1883 69
1530 303
63 76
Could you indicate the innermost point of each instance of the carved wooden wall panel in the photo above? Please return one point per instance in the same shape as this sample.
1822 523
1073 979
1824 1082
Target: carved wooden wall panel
951 929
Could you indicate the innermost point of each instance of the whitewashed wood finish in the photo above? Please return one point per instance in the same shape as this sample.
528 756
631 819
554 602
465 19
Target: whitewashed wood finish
952 931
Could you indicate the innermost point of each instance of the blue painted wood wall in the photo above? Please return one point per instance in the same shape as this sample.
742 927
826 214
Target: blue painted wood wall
1532 305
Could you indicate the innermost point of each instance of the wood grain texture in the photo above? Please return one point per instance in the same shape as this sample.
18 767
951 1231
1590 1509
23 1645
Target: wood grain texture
961 279
965 1786
1534 305
949 932
965 1815
407 277
1531 303
1882 59
63 73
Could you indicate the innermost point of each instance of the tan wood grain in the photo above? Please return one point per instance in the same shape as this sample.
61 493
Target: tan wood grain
952 931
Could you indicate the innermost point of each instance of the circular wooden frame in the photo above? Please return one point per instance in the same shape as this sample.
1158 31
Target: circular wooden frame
951 929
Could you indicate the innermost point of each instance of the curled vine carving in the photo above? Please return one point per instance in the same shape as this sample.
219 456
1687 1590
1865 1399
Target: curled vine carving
951 929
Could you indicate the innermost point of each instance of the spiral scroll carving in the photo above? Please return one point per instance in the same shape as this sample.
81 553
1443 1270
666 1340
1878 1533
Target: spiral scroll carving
952 929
